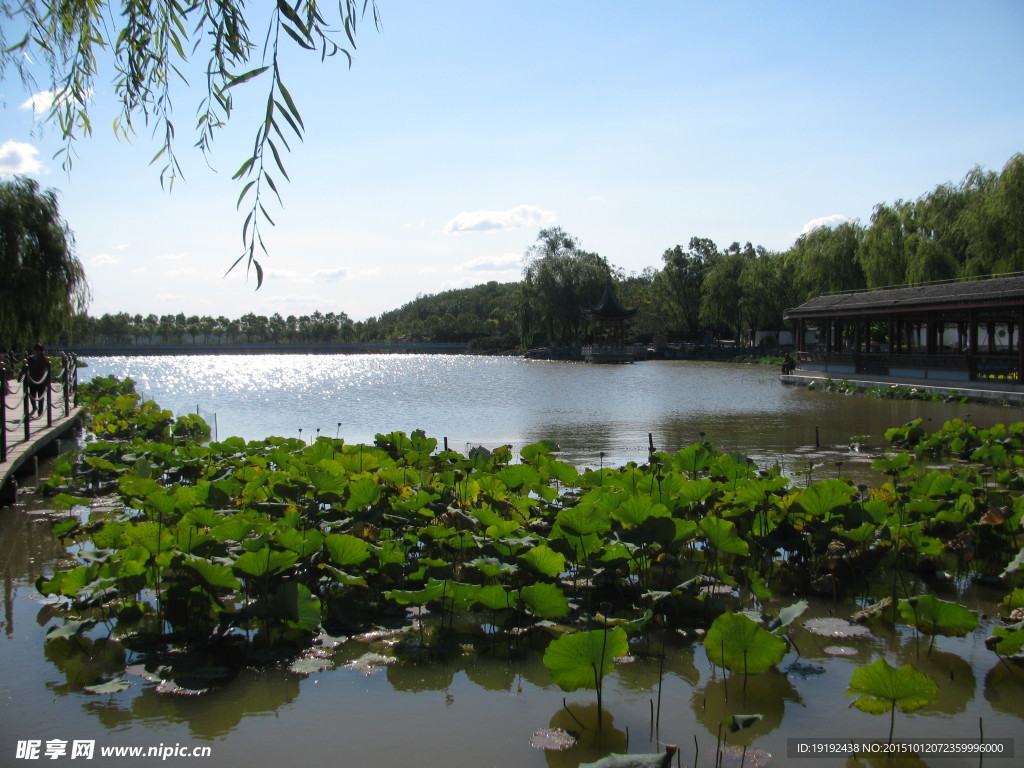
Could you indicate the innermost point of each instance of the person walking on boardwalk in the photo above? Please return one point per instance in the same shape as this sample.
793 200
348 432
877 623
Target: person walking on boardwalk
37 379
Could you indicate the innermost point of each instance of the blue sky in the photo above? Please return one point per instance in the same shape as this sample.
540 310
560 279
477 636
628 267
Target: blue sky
464 127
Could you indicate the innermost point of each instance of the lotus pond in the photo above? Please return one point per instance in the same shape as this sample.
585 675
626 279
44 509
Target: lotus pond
394 601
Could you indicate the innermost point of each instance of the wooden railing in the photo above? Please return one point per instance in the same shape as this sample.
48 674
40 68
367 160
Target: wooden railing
24 400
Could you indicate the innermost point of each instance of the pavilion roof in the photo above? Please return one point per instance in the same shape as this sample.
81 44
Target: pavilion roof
945 295
609 307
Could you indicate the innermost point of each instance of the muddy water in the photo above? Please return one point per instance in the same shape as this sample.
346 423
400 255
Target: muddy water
473 710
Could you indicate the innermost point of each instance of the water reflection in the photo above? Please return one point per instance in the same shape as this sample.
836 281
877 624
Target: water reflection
726 696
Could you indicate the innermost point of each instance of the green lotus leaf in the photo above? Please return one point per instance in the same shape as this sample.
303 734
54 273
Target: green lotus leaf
232 529
880 688
67 583
152 536
492 567
325 481
636 509
265 561
517 476
582 659
133 486
111 686
1015 599
214 574
202 517
652 760
295 603
431 592
346 549
546 601
693 459
302 542
362 493
824 497
537 451
629 625
64 501
1015 565
581 520
494 596
1011 639
741 645
937 617
721 535
70 628
544 560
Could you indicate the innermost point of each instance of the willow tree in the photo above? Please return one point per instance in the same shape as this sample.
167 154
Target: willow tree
148 45
560 280
43 283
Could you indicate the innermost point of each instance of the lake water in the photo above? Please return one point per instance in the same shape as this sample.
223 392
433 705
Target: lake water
474 712
586 409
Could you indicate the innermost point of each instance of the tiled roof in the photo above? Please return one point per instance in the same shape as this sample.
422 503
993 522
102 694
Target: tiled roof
609 307
1001 289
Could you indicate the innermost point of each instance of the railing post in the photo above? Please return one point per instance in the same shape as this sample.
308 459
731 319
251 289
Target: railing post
49 396
3 413
24 405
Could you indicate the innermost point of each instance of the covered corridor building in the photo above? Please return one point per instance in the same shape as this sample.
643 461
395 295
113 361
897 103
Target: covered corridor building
954 331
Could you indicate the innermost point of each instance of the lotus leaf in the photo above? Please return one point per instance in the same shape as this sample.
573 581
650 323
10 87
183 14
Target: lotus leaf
214 574
545 601
740 645
721 535
544 560
581 660
835 627
362 493
636 509
881 688
494 596
1010 639
297 604
937 617
662 760
302 542
345 549
265 561
582 520
111 686
553 739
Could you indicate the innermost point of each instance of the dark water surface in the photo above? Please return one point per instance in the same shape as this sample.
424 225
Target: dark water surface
471 711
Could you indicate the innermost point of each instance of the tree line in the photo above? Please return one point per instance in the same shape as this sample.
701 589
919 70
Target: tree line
700 291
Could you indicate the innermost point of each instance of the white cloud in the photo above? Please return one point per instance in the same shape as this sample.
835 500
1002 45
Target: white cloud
104 260
169 256
824 221
487 221
42 102
505 263
182 271
330 275
17 157
280 274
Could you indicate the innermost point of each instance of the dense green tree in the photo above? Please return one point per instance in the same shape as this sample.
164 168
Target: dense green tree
825 260
560 281
44 284
680 283
722 301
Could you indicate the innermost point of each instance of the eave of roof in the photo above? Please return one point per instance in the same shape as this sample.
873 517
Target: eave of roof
1005 291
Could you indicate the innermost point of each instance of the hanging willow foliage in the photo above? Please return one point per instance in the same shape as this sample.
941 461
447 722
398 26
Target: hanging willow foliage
150 42
43 283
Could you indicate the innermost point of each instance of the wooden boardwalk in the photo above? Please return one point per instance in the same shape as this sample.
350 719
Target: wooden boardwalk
42 432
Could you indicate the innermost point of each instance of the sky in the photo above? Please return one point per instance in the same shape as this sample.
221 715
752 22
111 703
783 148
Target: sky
462 128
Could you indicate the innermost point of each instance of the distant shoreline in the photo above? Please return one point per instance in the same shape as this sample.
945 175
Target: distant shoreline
140 350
